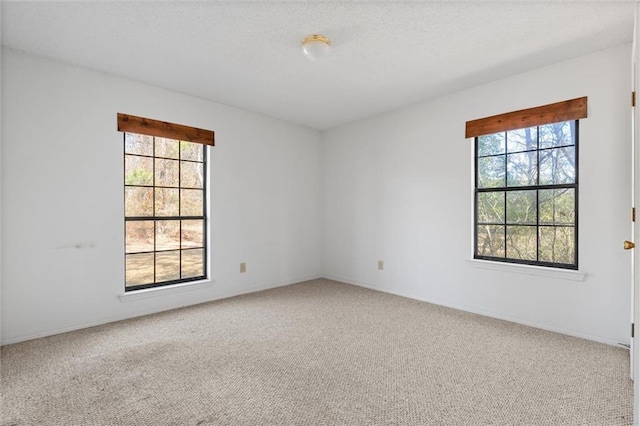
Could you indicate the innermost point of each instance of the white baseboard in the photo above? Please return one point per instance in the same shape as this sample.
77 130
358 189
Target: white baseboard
479 311
156 310
276 284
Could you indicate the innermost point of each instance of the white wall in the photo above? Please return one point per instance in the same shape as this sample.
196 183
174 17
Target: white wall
1 178
398 187
62 205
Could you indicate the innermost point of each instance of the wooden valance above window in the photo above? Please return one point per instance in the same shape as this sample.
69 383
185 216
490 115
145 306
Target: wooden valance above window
148 126
573 109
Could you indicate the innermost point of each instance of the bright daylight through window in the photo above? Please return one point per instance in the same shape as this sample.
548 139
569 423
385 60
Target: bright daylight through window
526 195
526 185
165 211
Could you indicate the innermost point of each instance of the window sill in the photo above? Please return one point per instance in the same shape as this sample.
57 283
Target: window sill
563 274
161 291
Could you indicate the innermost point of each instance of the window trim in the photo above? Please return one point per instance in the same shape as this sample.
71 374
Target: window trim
164 290
573 109
532 270
150 127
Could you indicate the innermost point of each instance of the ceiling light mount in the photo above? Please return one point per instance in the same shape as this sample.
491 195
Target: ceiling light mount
315 46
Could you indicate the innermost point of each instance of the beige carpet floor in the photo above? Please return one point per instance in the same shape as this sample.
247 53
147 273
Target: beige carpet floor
314 353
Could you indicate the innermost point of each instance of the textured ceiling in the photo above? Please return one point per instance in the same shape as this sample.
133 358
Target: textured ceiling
384 55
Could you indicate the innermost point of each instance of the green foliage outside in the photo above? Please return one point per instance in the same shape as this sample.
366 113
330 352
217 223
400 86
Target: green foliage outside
160 250
532 223
139 177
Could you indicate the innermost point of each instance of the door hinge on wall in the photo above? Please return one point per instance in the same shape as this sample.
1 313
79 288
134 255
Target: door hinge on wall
632 330
633 99
633 214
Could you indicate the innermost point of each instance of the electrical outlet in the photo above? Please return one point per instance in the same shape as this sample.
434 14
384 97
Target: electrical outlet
243 267
380 265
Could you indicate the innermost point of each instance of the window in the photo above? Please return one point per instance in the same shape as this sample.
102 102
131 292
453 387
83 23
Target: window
526 189
165 199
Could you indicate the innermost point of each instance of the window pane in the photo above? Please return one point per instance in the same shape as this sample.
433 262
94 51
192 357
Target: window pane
164 182
138 201
558 134
526 194
139 236
490 241
522 242
167 266
167 202
191 151
557 206
557 244
192 263
521 207
192 233
191 203
522 139
138 144
167 173
491 144
491 207
138 170
167 148
491 172
557 166
191 175
167 234
139 269
522 169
